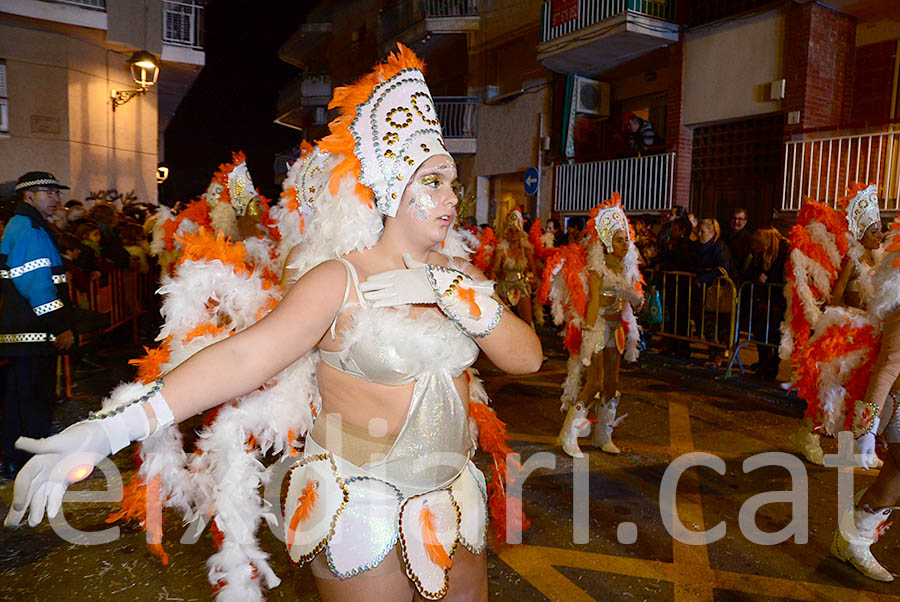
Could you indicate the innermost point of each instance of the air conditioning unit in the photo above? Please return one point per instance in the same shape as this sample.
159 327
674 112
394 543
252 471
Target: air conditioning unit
591 97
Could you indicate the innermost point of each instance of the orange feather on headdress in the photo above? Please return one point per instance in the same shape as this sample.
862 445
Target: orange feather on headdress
346 99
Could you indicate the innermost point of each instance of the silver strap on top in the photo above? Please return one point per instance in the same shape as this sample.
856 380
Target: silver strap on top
352 278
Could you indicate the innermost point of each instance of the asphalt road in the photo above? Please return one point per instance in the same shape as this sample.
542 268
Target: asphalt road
625 552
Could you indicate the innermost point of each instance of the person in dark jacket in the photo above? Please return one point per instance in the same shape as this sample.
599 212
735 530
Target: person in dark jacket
679 255
713 255
766 267
738 240
35 318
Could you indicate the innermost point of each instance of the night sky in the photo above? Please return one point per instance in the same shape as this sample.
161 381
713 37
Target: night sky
232 103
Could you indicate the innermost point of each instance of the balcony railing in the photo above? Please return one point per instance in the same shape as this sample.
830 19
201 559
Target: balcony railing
97 4
822 166
594 11
182 24
645 184
458 115
399 16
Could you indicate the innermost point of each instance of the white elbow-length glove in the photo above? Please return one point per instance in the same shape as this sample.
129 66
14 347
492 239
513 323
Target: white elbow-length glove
466 301
865 427
71 455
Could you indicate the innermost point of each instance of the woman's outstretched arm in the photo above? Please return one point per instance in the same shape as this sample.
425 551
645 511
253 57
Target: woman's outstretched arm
245 361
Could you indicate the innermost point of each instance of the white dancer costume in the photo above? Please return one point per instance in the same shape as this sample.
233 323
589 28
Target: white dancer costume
621 285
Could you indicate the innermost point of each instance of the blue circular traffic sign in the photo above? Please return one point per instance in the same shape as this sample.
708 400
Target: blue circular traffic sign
530 180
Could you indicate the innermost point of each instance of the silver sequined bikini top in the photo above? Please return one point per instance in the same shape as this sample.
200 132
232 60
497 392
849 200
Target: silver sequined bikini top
386 346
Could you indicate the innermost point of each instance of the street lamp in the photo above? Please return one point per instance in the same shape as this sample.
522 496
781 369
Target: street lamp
144 71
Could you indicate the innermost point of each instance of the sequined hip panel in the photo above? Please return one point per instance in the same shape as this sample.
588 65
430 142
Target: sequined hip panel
356 518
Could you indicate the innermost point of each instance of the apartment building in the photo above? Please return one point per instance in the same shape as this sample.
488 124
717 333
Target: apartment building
747 97
61 62
758 103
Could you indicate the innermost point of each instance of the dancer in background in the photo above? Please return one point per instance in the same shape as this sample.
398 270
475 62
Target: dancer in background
513 262
830 270
602 317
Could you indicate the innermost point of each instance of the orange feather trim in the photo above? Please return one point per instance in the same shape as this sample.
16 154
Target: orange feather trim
346 99
136 496
203 246
289 197
169 227
534 237
307 503
149 365
492 438
573 339
197 212
484 256
436 552
837 341
851 191
468 296
203 330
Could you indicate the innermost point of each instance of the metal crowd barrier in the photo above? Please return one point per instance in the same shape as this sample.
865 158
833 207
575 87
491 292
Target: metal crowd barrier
693 311
122 296
749 329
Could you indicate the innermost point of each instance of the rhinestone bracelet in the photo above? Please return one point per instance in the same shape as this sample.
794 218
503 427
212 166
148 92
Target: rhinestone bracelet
157 385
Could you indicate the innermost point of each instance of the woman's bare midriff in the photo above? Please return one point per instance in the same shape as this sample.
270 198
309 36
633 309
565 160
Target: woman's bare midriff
359 401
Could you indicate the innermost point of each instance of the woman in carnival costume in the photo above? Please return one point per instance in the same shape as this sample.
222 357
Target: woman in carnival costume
875 416
385 499
601 322
829 283
513 262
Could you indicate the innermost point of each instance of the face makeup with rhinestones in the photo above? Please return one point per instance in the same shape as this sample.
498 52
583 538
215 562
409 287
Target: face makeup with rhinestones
429 198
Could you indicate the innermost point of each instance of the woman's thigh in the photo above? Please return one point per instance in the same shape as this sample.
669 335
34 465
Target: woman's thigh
387 581
468 578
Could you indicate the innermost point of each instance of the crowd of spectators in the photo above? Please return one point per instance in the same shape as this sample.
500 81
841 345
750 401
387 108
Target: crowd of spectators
96 239
707 255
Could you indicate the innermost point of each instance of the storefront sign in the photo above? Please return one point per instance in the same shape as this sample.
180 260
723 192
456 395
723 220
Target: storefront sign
563 11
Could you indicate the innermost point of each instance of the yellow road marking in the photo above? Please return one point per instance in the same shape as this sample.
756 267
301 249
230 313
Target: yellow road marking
536 564
690 572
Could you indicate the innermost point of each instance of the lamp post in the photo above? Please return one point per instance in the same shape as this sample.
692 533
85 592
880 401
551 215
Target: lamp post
144 71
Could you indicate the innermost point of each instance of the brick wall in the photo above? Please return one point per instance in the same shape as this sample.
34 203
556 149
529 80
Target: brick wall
819 63
676 134
872 83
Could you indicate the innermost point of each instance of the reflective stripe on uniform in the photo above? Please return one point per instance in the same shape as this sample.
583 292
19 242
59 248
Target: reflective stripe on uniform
48 307
43 262
27 337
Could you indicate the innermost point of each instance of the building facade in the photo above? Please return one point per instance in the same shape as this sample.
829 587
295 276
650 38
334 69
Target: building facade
61 62
743 96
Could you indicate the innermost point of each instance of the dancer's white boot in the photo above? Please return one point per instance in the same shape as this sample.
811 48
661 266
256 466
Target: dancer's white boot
807 442
606 422
859 528
575 425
